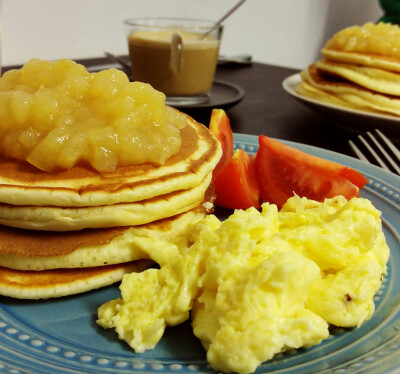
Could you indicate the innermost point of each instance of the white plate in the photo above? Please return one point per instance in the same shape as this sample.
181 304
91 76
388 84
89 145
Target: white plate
351 119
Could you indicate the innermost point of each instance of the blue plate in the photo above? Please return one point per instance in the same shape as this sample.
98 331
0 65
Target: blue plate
61 335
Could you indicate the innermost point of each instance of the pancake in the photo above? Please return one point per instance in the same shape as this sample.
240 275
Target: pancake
54 218
306 90
71 231
371 45
377 80
363 59
23 184
351 93
360 70
41 250
63 282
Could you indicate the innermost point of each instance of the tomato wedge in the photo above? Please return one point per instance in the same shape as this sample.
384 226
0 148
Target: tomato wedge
220 126
236 185
282 171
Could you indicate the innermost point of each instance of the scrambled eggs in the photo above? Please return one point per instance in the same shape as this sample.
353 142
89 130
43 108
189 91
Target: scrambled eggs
258 283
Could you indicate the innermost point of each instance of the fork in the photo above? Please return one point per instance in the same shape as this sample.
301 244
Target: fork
380 149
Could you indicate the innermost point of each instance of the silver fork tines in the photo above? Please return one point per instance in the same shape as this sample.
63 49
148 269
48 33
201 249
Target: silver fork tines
381 148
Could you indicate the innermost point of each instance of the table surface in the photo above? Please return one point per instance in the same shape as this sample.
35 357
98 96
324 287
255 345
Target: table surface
267 109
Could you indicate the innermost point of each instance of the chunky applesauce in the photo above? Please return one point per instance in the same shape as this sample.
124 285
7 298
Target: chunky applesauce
57 114
378 39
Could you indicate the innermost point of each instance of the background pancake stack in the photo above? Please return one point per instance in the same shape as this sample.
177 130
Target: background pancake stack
71 231
360 70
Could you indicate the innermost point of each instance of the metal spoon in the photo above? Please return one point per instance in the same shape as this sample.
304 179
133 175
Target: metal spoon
223 18
238 59
120 61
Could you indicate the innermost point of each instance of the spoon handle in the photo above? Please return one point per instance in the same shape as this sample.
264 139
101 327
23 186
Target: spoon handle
223 18
118 60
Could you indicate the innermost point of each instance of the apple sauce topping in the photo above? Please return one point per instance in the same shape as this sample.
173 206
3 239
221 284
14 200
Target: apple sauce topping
376 39
57 114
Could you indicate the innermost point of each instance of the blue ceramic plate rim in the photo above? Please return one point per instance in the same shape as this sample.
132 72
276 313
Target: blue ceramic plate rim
61 336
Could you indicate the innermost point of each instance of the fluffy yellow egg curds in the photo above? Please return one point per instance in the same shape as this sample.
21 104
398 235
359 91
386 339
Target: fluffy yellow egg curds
259 283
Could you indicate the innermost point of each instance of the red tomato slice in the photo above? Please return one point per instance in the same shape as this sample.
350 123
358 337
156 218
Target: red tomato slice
236 185
352 175
221 128
282 171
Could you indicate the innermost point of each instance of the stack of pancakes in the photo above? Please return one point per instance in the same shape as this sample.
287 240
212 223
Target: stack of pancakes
360 70
71 231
